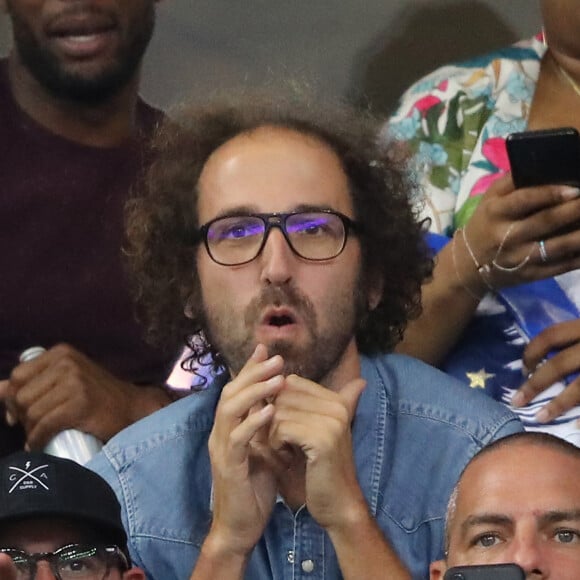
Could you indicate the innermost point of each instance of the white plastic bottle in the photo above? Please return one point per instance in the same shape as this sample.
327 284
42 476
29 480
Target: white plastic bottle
70 443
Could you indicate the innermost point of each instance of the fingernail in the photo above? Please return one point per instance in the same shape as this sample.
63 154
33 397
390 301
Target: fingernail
518 399
543 416
272 362
525 371
10 419
274 381
569 192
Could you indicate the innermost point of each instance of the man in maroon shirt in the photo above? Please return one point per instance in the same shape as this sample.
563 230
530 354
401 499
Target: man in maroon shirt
73 138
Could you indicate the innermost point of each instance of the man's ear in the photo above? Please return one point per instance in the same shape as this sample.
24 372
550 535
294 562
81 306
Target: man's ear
133 573
437 569
375 292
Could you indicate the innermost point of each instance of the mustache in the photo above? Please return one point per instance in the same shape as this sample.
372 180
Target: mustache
82 9
279 296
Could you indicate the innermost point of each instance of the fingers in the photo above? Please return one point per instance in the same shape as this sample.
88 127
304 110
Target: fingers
564 337
501 187
311 416
7 568
351 394
567 399
10 411
243 409
553 338
241 436
547 199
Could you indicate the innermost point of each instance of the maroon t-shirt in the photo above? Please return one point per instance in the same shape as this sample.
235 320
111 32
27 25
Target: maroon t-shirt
61 232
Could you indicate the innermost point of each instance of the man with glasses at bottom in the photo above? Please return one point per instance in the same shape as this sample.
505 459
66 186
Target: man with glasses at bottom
286 235
59 520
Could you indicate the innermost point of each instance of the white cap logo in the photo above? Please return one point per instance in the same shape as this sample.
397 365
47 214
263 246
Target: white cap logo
27 479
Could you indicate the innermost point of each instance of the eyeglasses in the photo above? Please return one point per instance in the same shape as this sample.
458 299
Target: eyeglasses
313 235
71 562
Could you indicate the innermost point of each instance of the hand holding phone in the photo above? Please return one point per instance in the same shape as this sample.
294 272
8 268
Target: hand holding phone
545 157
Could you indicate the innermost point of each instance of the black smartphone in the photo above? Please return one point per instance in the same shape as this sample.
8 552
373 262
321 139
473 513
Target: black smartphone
486 572
545 157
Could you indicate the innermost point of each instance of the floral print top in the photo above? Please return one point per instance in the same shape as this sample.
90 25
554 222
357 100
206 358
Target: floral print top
456 121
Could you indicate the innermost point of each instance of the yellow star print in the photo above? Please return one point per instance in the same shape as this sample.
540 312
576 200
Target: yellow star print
477 380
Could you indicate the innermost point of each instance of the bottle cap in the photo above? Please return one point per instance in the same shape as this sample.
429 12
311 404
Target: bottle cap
31 353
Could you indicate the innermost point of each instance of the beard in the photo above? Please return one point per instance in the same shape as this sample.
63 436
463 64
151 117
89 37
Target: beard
328 332
89 89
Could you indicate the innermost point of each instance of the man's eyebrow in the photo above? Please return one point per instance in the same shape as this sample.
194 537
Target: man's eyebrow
555 516
485 519
236 211
310 207
240 210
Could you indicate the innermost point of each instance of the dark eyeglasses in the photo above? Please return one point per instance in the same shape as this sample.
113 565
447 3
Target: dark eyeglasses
313 235
71 562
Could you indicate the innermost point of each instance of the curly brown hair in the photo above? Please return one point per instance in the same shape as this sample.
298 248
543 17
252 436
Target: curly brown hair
162 218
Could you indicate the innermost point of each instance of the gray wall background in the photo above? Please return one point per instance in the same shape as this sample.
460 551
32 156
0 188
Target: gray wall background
367 51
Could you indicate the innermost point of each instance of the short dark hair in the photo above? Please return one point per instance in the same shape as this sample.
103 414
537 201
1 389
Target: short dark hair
537 438
162 218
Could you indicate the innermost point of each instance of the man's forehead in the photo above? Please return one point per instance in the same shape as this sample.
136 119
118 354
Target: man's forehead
273 169
508 480
29 531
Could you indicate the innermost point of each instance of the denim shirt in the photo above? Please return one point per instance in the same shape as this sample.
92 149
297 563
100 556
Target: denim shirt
414 430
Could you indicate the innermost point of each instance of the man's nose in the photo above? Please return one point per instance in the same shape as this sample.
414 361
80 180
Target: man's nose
277 259
527 552
44 571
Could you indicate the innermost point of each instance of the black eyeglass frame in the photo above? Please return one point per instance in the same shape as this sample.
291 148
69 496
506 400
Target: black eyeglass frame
278 220
53 557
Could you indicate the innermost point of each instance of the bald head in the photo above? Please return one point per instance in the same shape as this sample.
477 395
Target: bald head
518 501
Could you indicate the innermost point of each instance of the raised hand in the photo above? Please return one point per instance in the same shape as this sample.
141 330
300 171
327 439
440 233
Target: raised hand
7 568
544 372
318 421
244 484
508 225
62 389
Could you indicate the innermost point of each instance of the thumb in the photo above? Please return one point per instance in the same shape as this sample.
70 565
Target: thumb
351 393
10 417
3 390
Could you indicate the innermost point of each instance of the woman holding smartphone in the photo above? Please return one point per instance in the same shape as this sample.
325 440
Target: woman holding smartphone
519 343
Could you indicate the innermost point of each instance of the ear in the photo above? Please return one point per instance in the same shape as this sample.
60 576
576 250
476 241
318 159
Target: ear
134 574
375 292
437 569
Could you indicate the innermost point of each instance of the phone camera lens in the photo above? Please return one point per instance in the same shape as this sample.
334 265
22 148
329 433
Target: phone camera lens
458 576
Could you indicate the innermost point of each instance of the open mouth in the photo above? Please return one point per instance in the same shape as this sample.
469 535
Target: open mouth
80 25
82 29
279 318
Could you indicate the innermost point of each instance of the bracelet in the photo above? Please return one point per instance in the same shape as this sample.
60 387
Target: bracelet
499 250
475 261
484 270
454 258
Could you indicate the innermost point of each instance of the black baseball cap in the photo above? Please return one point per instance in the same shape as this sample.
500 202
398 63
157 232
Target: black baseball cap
37 485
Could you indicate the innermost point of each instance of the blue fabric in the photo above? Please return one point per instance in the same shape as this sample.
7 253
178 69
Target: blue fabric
414 430
495 340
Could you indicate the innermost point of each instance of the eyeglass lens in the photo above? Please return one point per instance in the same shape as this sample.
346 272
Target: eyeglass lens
312 235
69 562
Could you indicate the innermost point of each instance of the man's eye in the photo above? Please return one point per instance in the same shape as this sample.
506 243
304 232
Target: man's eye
239 230
567 536
486 540
236 232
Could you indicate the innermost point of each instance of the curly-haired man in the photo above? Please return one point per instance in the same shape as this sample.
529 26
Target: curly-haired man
285 235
